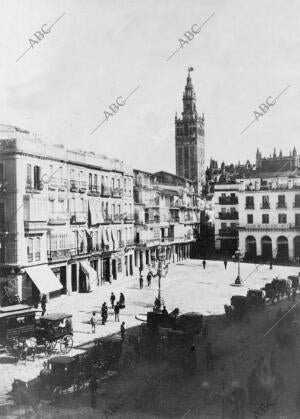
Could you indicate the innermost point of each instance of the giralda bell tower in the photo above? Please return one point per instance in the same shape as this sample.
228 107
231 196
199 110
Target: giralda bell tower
190 139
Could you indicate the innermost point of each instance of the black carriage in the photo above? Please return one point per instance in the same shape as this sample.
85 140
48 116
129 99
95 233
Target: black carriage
59 374
280 286
256 298
238 307
295 281
17 323
56 328
100 355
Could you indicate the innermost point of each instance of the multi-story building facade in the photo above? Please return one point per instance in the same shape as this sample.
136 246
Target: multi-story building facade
66 218
190 139
261 209
226 204
167 212
269 222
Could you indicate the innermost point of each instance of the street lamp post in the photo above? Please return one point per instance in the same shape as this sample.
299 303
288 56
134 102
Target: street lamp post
161 258
238 255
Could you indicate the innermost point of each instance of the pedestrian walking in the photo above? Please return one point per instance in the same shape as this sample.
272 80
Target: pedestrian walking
149 276
122 300
104 313
93 386
141 281
93 322
225 264
271 265
204 264
117 311
43 304
123 331
209 357
112 299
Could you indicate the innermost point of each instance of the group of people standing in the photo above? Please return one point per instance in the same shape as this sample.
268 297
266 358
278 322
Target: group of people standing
104 310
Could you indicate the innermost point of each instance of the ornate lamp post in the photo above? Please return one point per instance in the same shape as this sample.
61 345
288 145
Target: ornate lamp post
160 267
238 256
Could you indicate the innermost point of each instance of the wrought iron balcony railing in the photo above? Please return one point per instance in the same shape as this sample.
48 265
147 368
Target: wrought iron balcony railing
228 215
231 232
228 200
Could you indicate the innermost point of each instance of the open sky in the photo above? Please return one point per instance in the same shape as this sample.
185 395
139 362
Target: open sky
100 50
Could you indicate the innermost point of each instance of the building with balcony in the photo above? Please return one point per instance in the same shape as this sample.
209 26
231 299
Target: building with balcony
269 225
167 215
226 204
66 218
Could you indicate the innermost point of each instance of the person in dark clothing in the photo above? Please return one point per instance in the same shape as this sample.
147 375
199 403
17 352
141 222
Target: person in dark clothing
225 264
141 279
149 276
122 300
204 264
117 311
112 300
123 331
104 313
271 265
93 386
209 357
164 311
43 304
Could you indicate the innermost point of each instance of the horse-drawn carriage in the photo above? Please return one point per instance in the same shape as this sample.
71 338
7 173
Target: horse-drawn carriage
65 374
23 332
56 328
59 374
164 333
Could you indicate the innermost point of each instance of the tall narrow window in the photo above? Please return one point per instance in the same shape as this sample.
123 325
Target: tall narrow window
95 182
29 249
90 181
36 177
37 252
28 176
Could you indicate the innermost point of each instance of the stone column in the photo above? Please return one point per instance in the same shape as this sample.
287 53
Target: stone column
68 279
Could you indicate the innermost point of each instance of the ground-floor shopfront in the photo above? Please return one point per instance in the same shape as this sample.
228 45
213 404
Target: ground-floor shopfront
271 245
76 275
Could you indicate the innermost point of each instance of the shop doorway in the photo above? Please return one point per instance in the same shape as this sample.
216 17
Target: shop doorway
74 277
106 270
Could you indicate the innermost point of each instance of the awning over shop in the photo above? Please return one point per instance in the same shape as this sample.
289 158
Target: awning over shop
44 279
89 271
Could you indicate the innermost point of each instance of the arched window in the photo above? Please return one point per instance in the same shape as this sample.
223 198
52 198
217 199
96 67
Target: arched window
250 245
282 248
266 248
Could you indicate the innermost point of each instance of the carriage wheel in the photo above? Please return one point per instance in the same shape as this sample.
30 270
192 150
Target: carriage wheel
66 344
